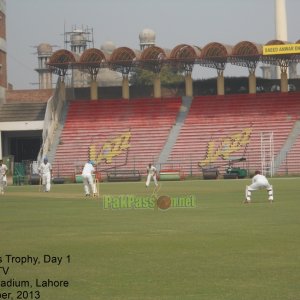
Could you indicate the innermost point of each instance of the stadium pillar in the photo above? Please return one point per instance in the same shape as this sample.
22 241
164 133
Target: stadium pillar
62 90
189 85
125 87
94 90
157 86
252 83
284 81
220 83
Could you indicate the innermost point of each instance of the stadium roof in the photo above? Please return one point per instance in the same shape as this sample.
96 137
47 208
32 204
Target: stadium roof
214 55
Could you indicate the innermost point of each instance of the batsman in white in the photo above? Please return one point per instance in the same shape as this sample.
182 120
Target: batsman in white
3 172
45 171
87 177
259 182
151 171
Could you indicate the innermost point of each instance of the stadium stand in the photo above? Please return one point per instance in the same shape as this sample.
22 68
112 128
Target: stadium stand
134 132
218 118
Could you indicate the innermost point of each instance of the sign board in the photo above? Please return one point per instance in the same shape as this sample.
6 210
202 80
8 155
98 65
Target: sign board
281 49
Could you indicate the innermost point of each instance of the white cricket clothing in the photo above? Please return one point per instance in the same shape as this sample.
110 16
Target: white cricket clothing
45 173
88 181
152 170
259 182
3 170
45 168
151 174
88 169
3 182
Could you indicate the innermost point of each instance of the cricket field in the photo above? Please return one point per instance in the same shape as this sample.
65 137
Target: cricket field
62 245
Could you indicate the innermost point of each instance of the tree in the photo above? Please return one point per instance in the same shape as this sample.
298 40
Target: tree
168 76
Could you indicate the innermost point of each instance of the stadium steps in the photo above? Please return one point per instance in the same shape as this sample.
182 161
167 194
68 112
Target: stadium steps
174 132
12 112
286 151
291 164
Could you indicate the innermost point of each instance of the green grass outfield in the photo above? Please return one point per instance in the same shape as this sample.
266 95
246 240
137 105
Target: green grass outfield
221 249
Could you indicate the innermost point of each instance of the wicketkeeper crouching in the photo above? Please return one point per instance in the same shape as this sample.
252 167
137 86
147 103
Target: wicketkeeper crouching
259 182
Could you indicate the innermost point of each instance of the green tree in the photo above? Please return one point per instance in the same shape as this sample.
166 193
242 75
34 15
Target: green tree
168 76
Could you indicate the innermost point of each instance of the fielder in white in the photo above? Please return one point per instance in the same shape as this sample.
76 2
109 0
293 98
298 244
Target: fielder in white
259 182
45 171
87 177
151 171
3 180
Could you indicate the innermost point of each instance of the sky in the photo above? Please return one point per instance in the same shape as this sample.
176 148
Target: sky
194 22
